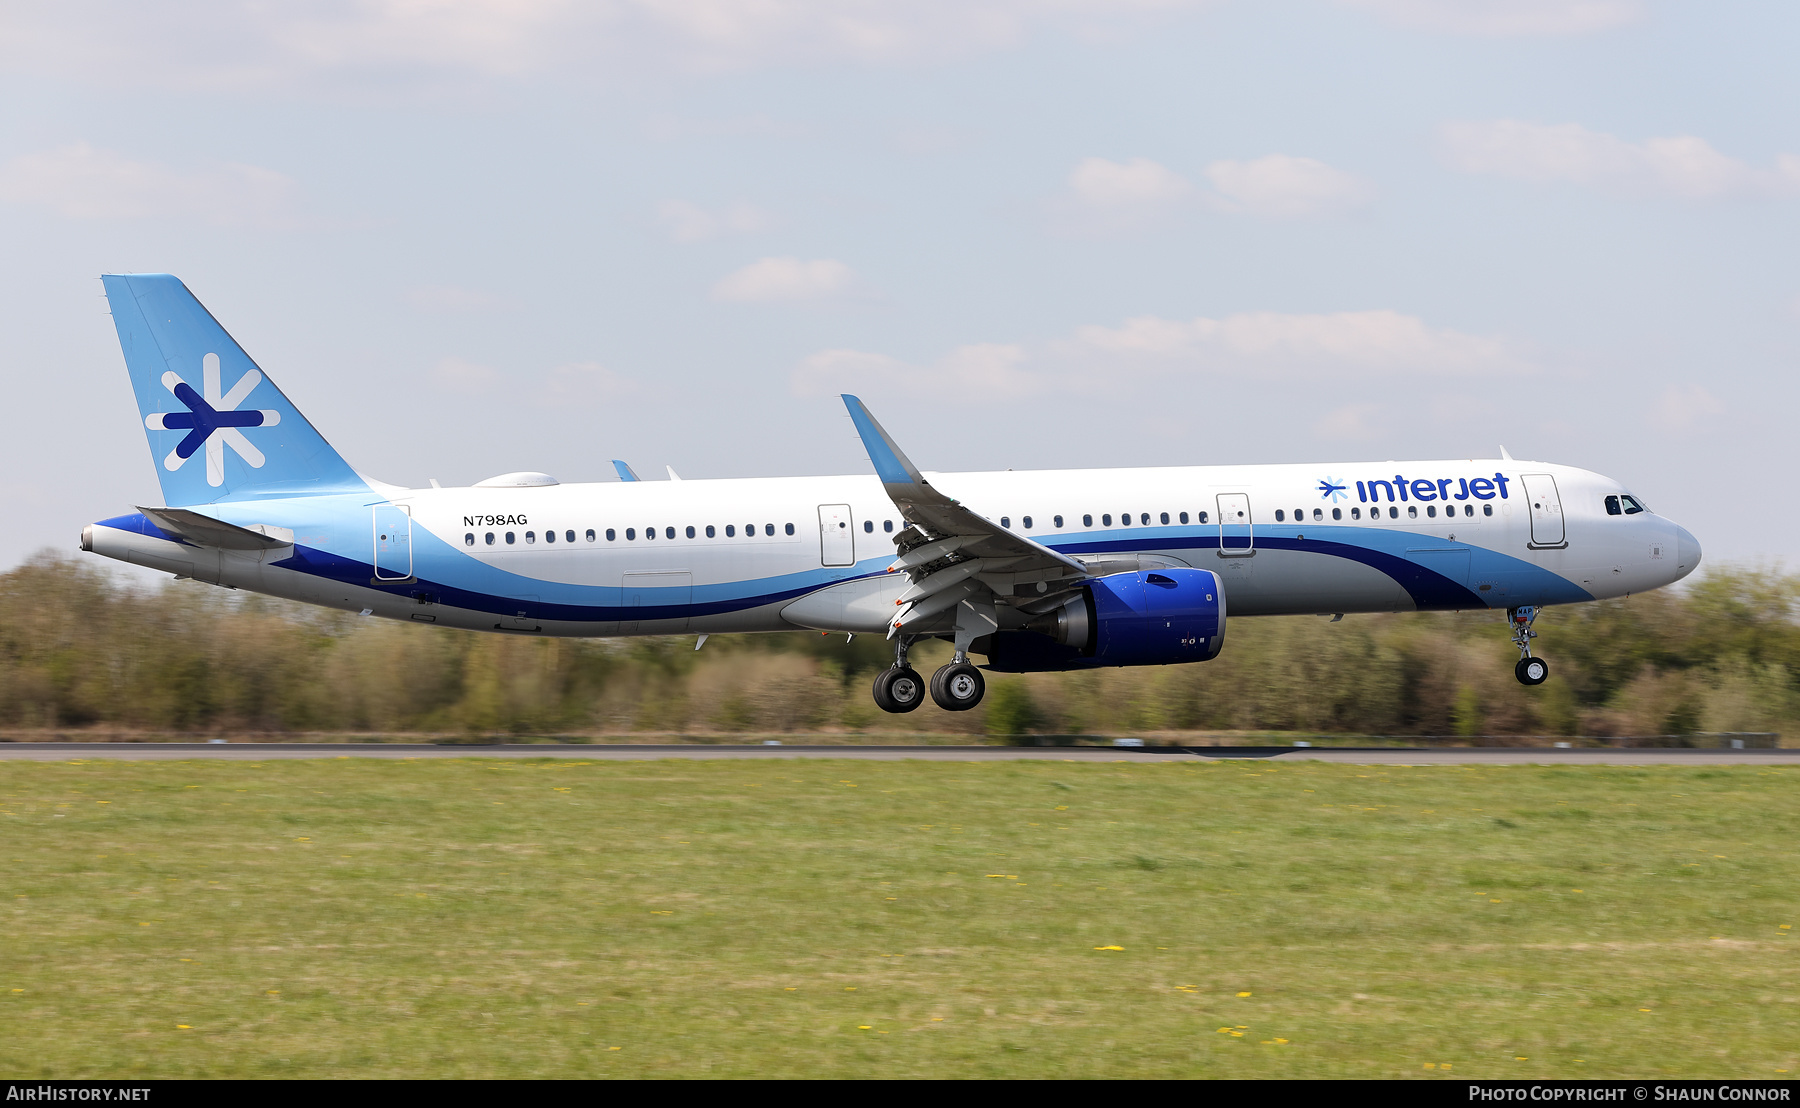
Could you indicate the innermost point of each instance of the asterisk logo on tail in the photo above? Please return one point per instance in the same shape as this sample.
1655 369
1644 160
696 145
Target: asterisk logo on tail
1331 488
212 420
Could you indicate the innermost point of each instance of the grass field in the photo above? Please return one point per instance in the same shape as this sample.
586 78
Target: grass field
489 918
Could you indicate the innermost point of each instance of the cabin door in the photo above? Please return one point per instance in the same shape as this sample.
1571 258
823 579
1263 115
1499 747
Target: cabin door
393 542
1546 510
1236 536
837 539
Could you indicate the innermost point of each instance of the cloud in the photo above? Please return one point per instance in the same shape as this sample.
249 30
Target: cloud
464 376
1340 347
1506 18
1680 165
84 182
450 298
1121 196
1357 344
985 369
687 222
785 279
212 44
1282 187
1350 423
1685 408
586 382
1137 183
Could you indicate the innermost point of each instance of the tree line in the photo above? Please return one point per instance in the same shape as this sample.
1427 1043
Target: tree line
84 649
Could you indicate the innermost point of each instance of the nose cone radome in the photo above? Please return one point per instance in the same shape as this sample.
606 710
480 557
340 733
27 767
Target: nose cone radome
1687 551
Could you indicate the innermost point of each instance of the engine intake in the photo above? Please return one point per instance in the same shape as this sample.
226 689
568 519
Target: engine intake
1149 618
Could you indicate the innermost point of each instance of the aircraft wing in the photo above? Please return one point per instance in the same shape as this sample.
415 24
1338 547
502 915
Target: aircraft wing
956 558
207 531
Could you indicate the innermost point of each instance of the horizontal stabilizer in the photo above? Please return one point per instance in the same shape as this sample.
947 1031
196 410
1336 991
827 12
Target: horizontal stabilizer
207 531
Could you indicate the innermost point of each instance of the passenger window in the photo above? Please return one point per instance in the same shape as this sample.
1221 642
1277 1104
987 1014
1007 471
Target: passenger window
1165 517
1006 522
1468 509
631 534
690 531
1632 505
790 528
1412 510
1337 513
490 538
1027 522
1106 520
1087 521
1431 510
509 538
1319 514
649 534
731 530
1280 516
1056 521
550 536
1184 517
1144 519
887 525
668 532
1202 517
1299 515
1394 513
868 527
531 536
710 533
469 539
768 528
1487 509
1612 506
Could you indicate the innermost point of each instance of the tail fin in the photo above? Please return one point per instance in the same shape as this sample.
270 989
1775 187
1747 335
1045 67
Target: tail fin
200 394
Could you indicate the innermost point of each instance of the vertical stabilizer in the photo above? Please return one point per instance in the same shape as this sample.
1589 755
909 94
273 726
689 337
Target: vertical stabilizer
219 429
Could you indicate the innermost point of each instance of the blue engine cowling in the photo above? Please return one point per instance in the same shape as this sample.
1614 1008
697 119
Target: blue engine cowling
1149 618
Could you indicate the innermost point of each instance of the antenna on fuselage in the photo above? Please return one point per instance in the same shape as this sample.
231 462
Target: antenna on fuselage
1504 456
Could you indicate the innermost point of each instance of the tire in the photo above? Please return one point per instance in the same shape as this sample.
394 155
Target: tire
899 690
1531 671
957 687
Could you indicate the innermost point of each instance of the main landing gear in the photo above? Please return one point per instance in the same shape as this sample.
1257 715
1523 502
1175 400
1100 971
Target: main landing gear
956 687
1530 670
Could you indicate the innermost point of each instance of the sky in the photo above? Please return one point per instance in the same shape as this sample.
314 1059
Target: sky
474 236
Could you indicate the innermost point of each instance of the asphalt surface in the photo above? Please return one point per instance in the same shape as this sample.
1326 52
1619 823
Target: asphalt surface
261 752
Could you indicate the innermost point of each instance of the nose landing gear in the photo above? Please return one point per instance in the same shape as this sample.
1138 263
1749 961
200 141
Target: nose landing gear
1530 670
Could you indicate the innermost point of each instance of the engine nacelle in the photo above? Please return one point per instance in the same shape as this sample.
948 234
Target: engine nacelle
1149 618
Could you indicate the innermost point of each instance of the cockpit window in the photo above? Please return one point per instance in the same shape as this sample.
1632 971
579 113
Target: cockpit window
1612 505
1633 505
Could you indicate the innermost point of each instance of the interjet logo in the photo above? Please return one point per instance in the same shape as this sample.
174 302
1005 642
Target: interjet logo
212 420
1333 488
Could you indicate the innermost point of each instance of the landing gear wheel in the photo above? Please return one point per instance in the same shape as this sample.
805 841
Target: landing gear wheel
1531 671
957 687
899 689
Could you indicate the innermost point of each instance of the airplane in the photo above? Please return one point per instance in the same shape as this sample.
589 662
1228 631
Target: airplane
1036 571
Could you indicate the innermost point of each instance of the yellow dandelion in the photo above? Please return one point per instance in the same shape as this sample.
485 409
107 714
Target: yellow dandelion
615 1048
183 1027
1243 994
1109 948
849 988
862 1027
1520 1058
1431 1065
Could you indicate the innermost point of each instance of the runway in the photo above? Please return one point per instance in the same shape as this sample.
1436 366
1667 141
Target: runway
262 752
